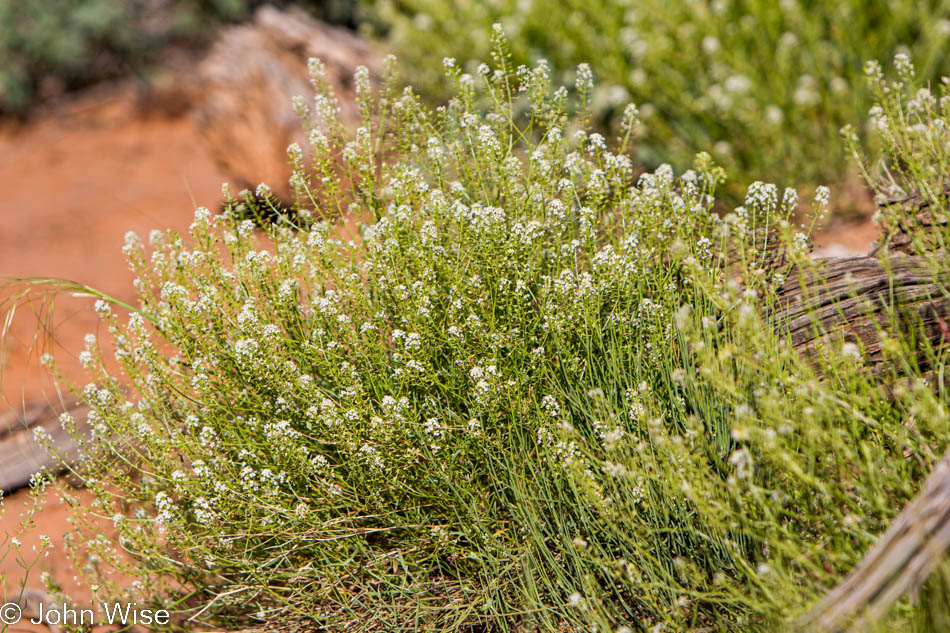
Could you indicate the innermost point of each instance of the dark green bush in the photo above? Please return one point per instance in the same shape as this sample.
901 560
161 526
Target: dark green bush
48 46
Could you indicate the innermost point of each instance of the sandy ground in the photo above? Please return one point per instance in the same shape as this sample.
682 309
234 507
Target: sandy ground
845 239
71 185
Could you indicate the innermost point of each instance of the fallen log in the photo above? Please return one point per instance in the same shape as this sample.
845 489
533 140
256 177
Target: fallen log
912 215
854 299
22 456
898 564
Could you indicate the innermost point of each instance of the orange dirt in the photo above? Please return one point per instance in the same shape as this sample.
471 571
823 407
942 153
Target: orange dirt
73 183
845 239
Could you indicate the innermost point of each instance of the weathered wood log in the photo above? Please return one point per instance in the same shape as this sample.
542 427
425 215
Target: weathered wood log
30 601
247 83
898 564
856 298
21 455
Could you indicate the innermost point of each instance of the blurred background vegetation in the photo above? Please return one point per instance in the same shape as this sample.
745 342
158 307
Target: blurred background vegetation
764 86
48 47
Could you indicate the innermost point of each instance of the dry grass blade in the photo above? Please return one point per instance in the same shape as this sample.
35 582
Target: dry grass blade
21 454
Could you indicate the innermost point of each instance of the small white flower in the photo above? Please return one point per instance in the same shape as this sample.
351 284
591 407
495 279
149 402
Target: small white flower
851 351
85 359
551 406
584 82
165 507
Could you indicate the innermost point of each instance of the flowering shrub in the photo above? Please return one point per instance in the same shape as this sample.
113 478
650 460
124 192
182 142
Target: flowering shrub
730 76
530 394
12 546
911 120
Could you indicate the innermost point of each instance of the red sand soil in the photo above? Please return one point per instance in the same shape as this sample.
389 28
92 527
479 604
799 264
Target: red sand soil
845 239
72 183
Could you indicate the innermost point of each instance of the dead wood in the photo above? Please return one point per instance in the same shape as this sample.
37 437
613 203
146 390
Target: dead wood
898 564
911 214
856 298
21 455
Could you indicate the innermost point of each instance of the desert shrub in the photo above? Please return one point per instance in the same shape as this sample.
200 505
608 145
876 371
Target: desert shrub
910 180
911 176
13 549
533 393
764 86
49 47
